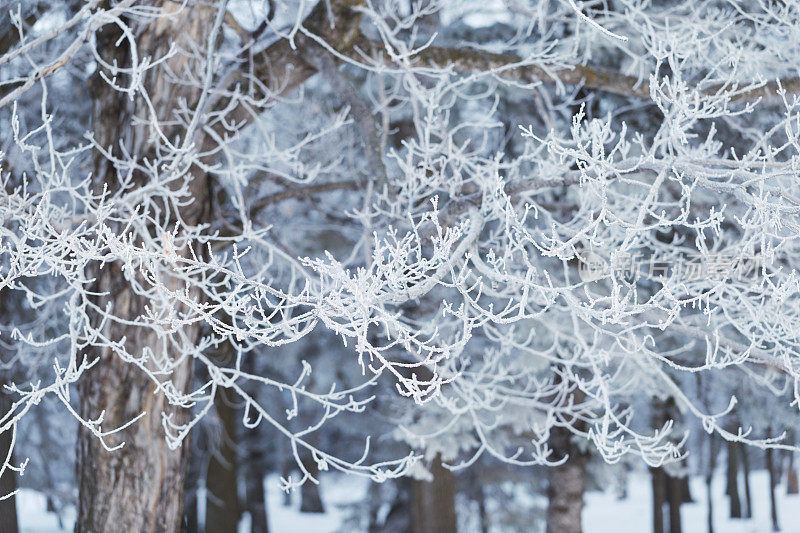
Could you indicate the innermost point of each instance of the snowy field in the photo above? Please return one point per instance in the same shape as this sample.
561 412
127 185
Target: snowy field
603 513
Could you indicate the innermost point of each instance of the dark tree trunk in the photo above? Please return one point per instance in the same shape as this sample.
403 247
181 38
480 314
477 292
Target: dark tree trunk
138 487
483 515
659 485
374 504
400 515
622 482
397 494
8 481
286 471
712 464
256 497
48 449
310 499
732 481
433 503
686 490
675 495
254 471
222 499
792 485
190 522
746 471
666 488
773 480
195 464
567 484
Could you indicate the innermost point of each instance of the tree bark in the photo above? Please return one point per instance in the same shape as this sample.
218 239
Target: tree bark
138 487
792 485
255 463
397 493
622 481
374 504
222 499
191 520
686 490
483 514
658 481
256 498
773 481
8 481
567 484
310 498
194 467
675 494
712 464
792 482
746 471
732 481
286 471
433 503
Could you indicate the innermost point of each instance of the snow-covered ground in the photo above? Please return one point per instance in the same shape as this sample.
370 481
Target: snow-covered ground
604 513
33 515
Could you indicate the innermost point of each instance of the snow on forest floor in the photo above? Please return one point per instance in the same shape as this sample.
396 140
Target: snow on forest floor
33 515
604 513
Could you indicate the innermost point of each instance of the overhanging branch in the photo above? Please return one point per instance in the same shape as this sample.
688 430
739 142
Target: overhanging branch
286 67
593 77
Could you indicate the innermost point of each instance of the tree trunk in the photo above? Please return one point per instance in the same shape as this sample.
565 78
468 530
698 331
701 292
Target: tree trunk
254 469
622 481
310 499
792 482
686 490
286 471
138 487
773 502
433 503
191 521
712 464
374 504
397 518
483 515
567 484
256 498
732 481
746 471
675 494
792 485
195 464
657 478
222 499
8 481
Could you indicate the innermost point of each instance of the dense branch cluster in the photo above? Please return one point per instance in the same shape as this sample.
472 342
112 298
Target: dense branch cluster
428 194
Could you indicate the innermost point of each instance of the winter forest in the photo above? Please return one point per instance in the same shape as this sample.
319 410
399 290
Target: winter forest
425 266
